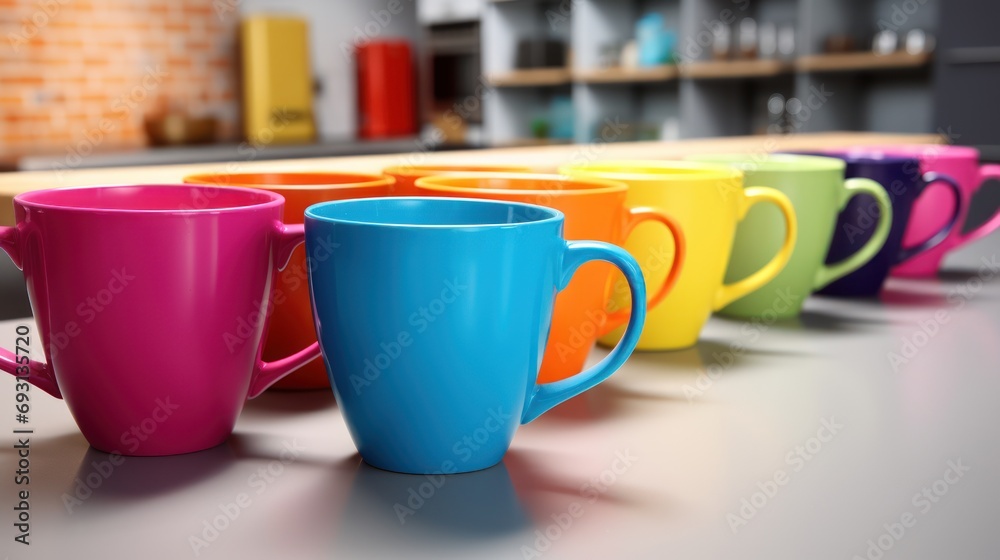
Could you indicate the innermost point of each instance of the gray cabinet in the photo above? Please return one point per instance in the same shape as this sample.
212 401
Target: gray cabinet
967 74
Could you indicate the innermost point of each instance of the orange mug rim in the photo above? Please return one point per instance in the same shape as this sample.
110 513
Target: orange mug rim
363 180
425 170
591 185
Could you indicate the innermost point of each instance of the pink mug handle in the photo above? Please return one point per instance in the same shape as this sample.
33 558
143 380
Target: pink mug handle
37 373
268 373
985 172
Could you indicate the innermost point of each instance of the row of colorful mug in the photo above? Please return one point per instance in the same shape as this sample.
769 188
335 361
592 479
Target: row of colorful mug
456 295
153 302
743 262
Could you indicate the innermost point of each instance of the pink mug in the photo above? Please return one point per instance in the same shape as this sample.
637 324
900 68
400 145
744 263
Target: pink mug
932 211
152 302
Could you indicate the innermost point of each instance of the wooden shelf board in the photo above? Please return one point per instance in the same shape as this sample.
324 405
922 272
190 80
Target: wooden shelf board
620 75
723 69
531 77
860 61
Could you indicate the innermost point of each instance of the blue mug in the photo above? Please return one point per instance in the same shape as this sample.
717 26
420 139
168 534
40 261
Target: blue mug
433 314
904 183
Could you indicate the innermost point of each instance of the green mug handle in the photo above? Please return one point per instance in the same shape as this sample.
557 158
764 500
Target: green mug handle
854 187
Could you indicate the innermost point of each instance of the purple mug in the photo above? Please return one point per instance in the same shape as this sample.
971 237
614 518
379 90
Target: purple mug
906 185
934 208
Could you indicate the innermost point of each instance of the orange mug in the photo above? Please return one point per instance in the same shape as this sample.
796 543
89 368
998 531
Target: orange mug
594 209
292 320
405 175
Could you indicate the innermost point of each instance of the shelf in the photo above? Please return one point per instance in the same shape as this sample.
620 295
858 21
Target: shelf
727 69
709 70
861 61
531 77
620 75
705 95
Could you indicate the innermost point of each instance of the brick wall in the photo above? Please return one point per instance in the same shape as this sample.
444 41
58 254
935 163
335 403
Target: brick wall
82 74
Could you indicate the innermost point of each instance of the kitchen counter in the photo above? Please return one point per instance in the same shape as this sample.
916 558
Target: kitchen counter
209 153
545 158
825 435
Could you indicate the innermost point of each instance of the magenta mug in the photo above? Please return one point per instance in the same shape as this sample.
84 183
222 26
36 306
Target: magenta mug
152 302
933 210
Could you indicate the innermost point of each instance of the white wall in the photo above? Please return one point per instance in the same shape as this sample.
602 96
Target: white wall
332 23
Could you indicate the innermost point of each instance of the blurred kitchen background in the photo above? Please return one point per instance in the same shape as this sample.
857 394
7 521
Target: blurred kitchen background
132 82
86 83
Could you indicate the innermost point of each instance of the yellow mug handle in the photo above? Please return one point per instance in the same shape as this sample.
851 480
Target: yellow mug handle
729 293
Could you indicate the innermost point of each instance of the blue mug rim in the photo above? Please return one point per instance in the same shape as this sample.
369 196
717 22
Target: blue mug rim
549 215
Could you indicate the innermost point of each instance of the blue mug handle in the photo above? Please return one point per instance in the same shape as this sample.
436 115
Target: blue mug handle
907 253
547 395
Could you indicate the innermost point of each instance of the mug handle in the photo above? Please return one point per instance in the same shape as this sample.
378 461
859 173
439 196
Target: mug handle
634 217
547 395
268 373
985 172
854 187
38 374
907 253
729 293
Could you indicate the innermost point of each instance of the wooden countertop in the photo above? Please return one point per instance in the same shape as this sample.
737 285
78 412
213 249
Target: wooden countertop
545 158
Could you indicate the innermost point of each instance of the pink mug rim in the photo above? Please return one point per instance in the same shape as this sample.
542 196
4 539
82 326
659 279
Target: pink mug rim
920 151
38 199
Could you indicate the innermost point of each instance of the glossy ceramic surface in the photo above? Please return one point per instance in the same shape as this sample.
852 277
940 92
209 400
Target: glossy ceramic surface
407 175
933 211
152 303
819 192
708 202
906 186
291 322
433 315
594 209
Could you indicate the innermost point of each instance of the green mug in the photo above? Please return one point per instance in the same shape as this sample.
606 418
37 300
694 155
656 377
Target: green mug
818 191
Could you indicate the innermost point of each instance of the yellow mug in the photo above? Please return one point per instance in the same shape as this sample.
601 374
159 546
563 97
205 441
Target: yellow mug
708 201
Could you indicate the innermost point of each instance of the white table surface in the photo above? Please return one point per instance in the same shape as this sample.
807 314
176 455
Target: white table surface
698 445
